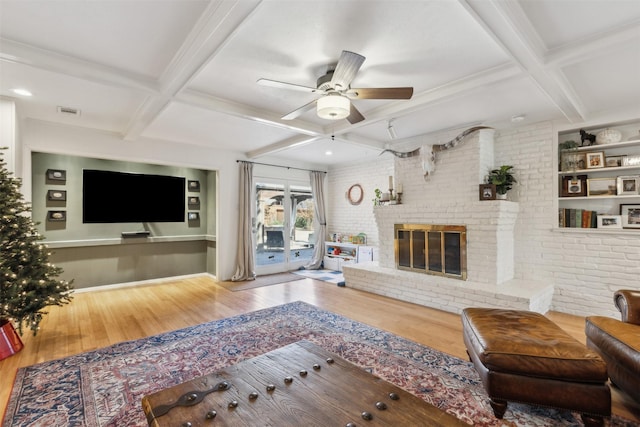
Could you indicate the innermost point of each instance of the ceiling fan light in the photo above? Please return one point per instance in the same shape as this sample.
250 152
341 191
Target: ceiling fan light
333 107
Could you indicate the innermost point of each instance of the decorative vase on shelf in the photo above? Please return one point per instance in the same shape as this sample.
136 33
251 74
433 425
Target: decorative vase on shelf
608 136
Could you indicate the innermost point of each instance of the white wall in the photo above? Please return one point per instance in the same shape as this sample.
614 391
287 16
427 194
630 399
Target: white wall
8 133
584 268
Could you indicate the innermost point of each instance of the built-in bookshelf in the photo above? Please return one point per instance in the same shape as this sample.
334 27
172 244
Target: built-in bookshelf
599 177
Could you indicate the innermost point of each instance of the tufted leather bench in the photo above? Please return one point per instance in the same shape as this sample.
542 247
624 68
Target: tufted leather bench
524 357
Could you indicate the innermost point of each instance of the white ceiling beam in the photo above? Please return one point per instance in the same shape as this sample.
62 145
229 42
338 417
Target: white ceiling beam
507 24
593 46
216 25
286 144
209 102
20 53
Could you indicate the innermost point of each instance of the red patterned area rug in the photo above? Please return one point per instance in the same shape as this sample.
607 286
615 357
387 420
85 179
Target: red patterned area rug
105 387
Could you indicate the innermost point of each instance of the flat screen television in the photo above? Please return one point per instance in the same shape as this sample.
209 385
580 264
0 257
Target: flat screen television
110 197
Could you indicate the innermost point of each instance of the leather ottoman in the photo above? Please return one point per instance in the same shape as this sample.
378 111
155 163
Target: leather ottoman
524 357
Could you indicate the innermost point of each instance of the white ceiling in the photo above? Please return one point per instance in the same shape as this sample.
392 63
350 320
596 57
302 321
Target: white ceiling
186 70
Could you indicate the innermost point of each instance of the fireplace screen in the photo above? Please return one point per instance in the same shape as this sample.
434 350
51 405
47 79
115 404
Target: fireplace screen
432 249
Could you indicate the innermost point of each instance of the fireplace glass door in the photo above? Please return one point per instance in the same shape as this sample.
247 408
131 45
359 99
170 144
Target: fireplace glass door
431 249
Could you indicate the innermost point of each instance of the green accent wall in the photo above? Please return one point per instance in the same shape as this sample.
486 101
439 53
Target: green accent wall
98 254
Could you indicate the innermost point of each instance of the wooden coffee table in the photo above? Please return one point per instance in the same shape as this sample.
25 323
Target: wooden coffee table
297 385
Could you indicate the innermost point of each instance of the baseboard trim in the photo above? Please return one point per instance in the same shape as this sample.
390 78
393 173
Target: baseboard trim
142 283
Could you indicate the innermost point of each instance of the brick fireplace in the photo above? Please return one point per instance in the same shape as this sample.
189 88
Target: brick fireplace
489 228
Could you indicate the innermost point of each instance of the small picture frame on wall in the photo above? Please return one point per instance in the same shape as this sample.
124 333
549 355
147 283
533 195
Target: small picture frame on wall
595 160
193 216
630 216
193 185
487 191
55 216
609 221
56 174
193 201
57 195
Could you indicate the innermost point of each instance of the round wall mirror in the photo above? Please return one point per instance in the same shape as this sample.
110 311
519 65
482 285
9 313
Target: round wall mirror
355 194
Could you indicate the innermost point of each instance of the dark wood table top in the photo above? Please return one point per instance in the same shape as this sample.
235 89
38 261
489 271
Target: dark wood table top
311 387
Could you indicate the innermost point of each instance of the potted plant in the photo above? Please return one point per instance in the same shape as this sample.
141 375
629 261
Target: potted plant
503 179
29 282
376 200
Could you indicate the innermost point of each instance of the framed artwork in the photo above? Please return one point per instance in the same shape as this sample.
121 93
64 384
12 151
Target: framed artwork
56 174
601 187
628 185
193 185
574 186
56 215
487 191
595 160
193 216
609 221
630 216
614 161
193 201
57 195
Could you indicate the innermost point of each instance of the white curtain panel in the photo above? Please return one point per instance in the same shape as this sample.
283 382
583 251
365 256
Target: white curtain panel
317 188
245 259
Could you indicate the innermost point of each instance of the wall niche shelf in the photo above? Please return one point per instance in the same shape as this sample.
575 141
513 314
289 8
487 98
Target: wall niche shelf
623 160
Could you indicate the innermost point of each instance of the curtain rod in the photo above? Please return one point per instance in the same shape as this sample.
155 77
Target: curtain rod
278 166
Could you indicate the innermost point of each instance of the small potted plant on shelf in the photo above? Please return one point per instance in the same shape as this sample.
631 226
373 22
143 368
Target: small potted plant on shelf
376 200
503 179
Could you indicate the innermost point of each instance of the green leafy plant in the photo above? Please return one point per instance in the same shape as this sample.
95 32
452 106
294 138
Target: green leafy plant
376 200
568 145
502 178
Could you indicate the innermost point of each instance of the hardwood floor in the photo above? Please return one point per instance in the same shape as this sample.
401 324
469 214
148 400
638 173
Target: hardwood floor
103 317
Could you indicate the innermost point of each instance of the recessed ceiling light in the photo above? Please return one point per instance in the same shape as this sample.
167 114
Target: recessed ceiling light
22 92
328 153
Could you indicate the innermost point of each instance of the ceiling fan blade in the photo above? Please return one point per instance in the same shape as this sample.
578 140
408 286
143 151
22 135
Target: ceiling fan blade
354 115
346 69
300 111
283 85
380 93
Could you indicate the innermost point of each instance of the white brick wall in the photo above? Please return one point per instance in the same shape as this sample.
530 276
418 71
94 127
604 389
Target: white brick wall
584 269
343 217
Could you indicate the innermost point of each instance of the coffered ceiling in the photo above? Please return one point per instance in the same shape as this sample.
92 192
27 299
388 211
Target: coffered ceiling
186 70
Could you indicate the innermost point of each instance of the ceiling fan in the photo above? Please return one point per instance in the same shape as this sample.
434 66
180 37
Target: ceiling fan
335 102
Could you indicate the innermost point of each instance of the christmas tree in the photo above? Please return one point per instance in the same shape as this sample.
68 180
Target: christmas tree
28 282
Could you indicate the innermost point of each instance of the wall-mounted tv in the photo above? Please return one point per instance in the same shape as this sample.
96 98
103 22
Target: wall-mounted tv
110 197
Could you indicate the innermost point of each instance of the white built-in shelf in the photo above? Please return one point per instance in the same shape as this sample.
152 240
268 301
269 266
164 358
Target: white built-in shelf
605 204
601 147
611 169
624 196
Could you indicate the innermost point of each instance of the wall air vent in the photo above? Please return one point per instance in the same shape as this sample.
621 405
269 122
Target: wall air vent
69 111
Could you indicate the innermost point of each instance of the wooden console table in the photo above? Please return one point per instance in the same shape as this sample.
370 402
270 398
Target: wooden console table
299 384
